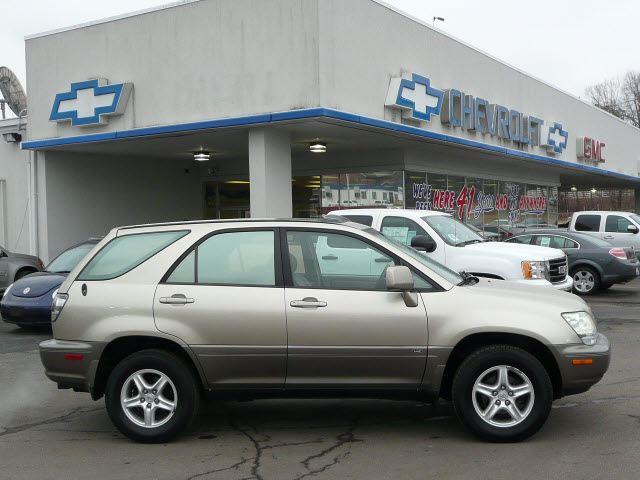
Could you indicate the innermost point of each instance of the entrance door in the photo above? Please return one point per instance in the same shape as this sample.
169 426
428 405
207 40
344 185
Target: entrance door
225 300
344 328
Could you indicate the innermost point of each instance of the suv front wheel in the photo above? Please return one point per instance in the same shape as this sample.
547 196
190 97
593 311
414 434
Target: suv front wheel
151 396
502 393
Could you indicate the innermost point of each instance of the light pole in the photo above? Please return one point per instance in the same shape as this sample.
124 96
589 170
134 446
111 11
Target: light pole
437 19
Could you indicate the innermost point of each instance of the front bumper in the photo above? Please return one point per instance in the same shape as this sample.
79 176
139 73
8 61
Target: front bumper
71 364
579 378
26 311
566 285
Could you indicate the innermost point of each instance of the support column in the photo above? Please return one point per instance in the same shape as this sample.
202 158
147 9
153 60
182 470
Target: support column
636 194
270 173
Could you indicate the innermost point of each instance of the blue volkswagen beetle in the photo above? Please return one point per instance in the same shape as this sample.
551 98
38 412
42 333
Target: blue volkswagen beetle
27 302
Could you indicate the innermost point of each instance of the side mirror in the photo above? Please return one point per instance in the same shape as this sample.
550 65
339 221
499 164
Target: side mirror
400 279
632 228
423 243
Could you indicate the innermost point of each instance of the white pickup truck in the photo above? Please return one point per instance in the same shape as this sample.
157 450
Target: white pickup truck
458 247
620 229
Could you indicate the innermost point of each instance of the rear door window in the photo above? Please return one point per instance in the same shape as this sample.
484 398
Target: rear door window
126 252
244 258
526 239
588 223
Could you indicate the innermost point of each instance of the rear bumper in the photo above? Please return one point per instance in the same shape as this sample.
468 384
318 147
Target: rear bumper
579 378
71 364
622 273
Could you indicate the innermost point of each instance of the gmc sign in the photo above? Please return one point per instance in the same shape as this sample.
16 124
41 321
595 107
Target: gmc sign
590 149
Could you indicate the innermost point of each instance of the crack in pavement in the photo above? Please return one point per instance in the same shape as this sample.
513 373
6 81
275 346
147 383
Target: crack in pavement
218 470
60 418
345 438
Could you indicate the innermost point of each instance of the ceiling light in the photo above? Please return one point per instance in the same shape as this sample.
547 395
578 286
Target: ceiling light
593 190
237 182
318 147
201 156
574 189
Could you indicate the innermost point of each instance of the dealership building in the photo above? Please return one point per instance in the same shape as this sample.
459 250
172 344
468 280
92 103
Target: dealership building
236 108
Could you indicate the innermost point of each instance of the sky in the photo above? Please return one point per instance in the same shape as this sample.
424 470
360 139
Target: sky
570 44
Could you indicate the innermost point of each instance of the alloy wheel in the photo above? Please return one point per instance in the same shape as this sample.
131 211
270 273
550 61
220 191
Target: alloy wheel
148 398
503 396
583 281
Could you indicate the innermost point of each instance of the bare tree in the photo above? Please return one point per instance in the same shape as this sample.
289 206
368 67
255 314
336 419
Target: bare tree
631 97
619 97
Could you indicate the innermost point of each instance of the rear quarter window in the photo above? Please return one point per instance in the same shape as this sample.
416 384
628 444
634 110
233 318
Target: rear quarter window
124 253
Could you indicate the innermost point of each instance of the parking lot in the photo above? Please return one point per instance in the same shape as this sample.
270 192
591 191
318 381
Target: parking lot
48 433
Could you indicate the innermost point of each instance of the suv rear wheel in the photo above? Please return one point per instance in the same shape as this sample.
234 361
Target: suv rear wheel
502 393
151 396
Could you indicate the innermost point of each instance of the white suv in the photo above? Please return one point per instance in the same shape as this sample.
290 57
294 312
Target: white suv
457 246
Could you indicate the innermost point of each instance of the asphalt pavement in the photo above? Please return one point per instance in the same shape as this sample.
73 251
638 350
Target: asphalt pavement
47 433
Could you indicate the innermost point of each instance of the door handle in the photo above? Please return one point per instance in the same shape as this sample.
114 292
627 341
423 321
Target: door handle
608 237
308 302
382 260
329 257
176 299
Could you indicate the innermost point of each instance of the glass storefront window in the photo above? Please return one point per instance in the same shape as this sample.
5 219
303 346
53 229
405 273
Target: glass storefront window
362 190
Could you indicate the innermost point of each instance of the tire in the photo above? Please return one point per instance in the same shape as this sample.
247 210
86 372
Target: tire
520 364
181 390
586 280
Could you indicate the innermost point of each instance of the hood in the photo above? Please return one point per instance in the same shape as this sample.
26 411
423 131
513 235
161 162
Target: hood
38 284
503 292
516 250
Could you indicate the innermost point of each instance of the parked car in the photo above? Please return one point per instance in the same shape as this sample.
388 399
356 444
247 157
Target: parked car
593 263
27 301
14 266
452 243
620 229
159 314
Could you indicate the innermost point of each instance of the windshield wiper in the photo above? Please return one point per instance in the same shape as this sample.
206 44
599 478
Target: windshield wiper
467 279
468 242
62 271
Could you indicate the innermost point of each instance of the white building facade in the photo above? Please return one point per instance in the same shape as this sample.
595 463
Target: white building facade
408 117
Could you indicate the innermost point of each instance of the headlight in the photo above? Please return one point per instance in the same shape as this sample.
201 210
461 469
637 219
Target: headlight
53 295
583 324
535 270
57 305
6 292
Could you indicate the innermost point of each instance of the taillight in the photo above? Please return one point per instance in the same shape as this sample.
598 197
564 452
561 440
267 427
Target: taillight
618 253
57 305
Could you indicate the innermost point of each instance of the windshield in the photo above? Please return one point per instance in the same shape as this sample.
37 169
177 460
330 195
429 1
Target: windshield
452 231
438 268
67 260
635 218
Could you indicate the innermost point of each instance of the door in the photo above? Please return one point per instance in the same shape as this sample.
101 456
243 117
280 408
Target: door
589 223
616 232
344 328
224 298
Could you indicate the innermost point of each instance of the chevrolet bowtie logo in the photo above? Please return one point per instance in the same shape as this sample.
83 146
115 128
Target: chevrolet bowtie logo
415 95
90 102
557 138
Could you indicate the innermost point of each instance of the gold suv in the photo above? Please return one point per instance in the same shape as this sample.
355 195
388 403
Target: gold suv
157 316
